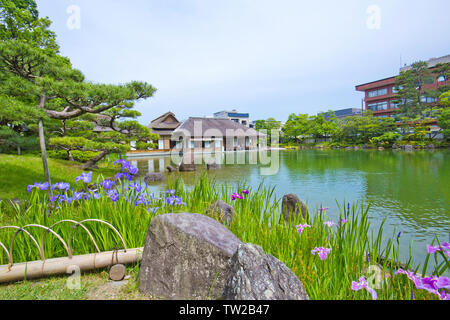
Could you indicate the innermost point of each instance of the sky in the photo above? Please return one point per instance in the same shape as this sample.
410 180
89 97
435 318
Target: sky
267 58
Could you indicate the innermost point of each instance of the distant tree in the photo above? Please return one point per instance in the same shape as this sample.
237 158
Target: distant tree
444 117
267 126
296 127
442 73
410 86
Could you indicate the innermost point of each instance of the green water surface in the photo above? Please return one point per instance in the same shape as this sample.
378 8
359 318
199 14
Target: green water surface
410 189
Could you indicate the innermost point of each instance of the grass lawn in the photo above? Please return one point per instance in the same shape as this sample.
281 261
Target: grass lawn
89 286
17 172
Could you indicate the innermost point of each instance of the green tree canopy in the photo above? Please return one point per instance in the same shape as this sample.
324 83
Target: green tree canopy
32 73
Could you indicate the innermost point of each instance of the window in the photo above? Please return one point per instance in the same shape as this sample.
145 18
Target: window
235 141
441 78
425 99
192 144
376 93
207 144
378 106
395 104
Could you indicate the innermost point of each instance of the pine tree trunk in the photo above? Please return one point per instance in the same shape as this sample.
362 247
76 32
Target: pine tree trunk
44 158
69 156
92 163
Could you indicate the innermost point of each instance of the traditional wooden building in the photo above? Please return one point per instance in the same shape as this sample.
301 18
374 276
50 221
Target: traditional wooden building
165 126
214 135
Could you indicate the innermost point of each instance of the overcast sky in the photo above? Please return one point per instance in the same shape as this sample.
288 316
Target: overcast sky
268 58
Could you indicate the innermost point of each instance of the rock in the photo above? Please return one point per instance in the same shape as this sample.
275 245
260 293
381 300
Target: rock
348 148
117 272
222 211
171 169
290 208
153 176
212 166
395 146
256 276
430 146
187 167
380 148
357 148
408 147
186 257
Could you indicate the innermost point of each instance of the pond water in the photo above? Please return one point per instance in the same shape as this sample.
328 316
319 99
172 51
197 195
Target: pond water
410 189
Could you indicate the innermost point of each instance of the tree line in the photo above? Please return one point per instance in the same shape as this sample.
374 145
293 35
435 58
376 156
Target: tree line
418 108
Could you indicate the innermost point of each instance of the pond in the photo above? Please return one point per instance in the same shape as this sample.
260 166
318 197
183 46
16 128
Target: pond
410 189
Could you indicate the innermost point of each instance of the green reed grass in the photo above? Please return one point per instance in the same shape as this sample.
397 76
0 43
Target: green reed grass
355 251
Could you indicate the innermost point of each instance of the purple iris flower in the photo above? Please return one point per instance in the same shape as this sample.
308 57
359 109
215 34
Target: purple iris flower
444 295
443 283
86 177
133 170
324 209
322 252
431 284
329 223
108 184
245 191
175 201
236 196
136 186
171 192
38 185
343 221
63 186
444 247
141 200
126 175
362 284
96 195
432 249
122 162
78 195
153 210
300 227
54 198
113 195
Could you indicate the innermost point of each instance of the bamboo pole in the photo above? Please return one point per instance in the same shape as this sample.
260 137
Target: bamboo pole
50 267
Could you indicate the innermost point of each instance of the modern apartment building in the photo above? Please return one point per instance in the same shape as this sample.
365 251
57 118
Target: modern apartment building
379 95
344 113
234 115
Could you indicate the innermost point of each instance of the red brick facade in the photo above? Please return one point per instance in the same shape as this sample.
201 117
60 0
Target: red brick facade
379 95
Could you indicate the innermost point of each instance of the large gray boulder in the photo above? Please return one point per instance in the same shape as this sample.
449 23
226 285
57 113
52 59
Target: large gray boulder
186 257
257 276
221 211
290 208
